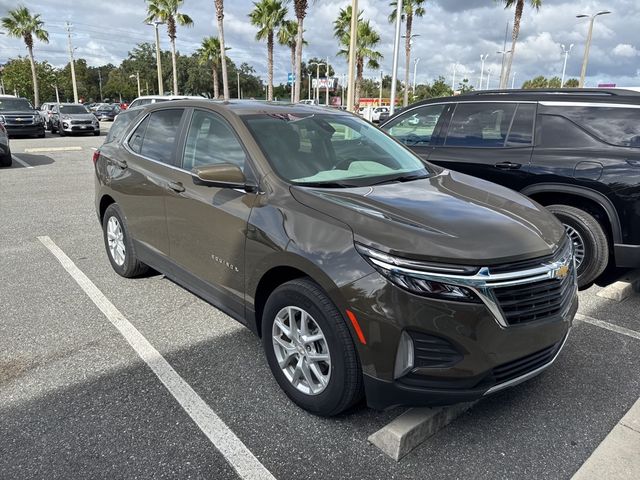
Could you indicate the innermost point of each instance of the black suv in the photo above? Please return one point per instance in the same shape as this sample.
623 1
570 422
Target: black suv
19 117
575 151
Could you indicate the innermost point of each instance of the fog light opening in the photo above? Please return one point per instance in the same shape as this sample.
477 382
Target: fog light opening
404 356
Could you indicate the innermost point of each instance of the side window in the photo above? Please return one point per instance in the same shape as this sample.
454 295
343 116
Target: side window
119 126
135 142
521 133
480 124
160 136
615 125
558 132
416 127
209 141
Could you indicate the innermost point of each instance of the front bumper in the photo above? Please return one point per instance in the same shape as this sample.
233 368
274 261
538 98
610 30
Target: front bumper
26 130
73 128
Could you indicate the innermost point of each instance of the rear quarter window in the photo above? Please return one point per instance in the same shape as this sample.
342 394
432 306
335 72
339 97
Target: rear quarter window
119 127
615 125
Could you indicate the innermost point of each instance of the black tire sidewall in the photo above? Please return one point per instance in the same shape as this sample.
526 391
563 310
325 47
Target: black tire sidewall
129 266
294 294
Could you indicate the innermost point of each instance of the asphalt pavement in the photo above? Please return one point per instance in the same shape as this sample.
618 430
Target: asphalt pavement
77 401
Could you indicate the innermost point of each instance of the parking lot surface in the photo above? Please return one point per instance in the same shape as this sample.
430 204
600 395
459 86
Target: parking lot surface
77 401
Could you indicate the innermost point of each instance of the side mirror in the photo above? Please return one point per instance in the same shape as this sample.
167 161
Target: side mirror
224 175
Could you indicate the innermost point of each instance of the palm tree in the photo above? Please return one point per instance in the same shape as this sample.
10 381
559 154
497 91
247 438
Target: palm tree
209 52
268 15
300 7
410 9
167 11
223 55
19 23
519 4
287 36
366 41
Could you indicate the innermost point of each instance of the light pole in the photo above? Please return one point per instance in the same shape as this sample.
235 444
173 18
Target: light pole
566 57
483 58
137 77
488 78
326 102
316 94
158 57
409 40
415 71
396 52
238 79
585 61
513 81
504 53
57 93
72 63
309 76
453 78
353 37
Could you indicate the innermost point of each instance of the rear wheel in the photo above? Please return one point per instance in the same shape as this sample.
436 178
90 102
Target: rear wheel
119 244
53 129
309 349
590 242
6 160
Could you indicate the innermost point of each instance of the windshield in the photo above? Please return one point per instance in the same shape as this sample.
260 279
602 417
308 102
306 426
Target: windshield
18 104
337 150
73 109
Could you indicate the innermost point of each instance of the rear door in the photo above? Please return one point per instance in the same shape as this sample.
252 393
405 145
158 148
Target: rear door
207 224
489 140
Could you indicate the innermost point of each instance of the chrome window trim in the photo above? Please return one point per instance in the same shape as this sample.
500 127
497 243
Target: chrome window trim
553 103
523 378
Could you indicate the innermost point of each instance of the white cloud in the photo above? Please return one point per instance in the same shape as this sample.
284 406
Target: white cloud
625 50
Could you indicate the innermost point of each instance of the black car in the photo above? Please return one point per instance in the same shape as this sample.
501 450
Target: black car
107 112
575 151
20 118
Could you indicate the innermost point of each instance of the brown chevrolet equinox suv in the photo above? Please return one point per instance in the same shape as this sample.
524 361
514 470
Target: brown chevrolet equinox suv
365 270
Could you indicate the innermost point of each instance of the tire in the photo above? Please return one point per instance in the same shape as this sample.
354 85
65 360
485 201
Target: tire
53 129
586 229
96 134
61 132
343 374
128 265
43 134
6 161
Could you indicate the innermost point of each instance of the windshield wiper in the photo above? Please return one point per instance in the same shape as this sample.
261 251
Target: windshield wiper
400 178
333 184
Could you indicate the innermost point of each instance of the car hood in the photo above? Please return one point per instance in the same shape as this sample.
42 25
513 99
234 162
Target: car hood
79 116
449 217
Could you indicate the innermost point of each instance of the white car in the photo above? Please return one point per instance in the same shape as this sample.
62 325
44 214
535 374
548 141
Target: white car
148 99
375 116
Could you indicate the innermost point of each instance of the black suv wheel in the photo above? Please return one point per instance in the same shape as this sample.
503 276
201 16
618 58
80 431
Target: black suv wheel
590 242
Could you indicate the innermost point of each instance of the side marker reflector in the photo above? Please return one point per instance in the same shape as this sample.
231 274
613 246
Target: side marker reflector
356 327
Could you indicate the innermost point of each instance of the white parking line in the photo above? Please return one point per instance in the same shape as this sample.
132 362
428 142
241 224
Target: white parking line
236 453
52 149
21 162
608 326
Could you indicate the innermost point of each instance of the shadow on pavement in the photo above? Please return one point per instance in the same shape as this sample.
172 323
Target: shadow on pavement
32 160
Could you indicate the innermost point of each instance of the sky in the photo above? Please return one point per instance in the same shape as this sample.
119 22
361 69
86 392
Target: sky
452 32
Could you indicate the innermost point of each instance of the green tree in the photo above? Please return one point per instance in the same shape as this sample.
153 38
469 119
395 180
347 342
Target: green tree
538 82
287 36
209 53
572 83
167 11
17 77
555 82
465 86
366 42
268 16
519 4
410 9
440 88
300 7
20 23
223 51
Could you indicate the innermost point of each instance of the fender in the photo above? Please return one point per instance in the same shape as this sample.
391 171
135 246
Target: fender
584 192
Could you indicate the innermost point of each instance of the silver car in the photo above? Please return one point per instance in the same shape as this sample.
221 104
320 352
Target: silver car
73 118
5 150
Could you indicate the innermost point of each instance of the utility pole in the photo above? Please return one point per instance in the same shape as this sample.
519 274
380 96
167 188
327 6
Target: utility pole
316 93
483 58
238 75
415 71
326 102
488 78
158 56
72 63
513 81
100 82
309 84
396 52
57 93
453 79
587 47
380 94
566 57
504 52
352 55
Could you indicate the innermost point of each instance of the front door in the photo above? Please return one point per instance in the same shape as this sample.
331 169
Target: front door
208 225
489 140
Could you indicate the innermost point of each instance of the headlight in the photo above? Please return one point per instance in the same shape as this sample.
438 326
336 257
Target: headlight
2 119
414 276
38 119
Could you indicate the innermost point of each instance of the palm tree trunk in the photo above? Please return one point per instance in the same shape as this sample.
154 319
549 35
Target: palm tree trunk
407 62
293 69
270 65
359 73
223 55
174 66
36 93
516 32
298 82
216 88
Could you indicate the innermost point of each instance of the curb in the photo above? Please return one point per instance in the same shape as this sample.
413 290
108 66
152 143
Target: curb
623 288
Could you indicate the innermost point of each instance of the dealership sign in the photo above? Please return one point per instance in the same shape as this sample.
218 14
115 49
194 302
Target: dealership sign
325 82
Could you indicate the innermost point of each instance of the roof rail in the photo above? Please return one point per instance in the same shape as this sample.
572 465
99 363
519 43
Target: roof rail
617 92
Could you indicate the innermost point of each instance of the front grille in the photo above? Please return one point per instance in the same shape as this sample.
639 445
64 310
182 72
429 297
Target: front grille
522 366
534 301
17 120
433 352
81 122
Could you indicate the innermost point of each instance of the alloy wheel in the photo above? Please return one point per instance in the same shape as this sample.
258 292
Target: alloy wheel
115 238
578 244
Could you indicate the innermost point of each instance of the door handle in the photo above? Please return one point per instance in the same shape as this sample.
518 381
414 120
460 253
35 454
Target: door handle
120 163
176 187
507 165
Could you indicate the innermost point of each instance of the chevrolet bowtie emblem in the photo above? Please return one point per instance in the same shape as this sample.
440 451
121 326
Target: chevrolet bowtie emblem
562 272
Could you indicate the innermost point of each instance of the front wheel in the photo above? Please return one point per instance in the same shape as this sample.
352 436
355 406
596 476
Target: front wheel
119 244
309 349
590 242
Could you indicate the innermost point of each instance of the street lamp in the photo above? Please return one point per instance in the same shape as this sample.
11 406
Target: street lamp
566 57
137 77
396 52
158 59
453 78
513 81
504 53
316 96
483 58
585 61
488 78
309 77
415 70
